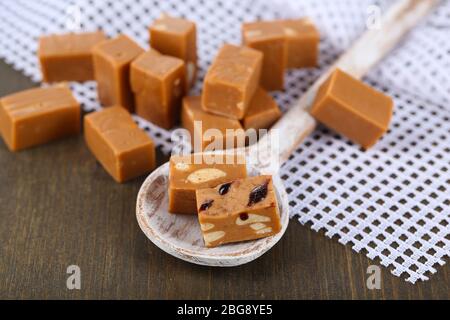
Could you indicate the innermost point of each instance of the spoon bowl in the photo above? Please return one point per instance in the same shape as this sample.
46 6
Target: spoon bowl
180 235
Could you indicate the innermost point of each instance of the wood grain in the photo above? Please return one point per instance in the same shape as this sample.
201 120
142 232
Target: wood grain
59 207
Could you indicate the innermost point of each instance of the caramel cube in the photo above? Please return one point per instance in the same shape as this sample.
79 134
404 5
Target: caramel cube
269 38
68 57
231 81
302 40
36 116
226 133
239 210
352 108
124 150
262 112
158 83
178 38
187 173
112 60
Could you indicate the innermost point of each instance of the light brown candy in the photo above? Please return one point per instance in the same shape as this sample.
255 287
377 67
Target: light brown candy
353 109
302 39
262 112
158 83
239 210
68 57
176 37
36 116
269 38
124 150
230 130
188 173
231 81
112 59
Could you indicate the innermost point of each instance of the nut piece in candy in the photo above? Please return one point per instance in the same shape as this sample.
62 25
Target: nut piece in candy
257 226
207 174
213 236
252 218
265 230
182 166
206 226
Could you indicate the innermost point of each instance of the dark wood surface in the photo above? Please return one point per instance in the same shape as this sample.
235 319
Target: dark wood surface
58 207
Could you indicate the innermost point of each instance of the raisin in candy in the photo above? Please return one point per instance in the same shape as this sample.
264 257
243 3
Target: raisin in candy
239 210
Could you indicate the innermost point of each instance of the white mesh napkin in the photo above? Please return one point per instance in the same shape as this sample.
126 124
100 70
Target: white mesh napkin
393 201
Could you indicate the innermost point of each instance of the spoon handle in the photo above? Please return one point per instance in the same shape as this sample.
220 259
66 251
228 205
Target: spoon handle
367 51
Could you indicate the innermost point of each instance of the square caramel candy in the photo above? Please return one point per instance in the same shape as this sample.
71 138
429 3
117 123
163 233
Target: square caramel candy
238 210
68 57
187 173
226 133
231 81
352 108
158 83
262 113
302 41
36 116
123 149
112 60
178 38
269 38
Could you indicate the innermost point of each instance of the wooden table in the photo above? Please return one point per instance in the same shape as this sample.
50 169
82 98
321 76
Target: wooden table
58 207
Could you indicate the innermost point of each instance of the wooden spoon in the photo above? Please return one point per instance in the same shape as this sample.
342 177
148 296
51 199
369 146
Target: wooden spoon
180 235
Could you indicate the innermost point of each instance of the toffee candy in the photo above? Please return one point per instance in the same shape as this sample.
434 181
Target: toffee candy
68 57
352 108
269 38
187 175
262 112
112 59
230 130
176 37
36 116
231 81
124 150
239 210
302 41
158 82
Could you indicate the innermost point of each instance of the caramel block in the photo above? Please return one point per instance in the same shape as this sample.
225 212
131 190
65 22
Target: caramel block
352 108
158 83
124 150
68 57
231 81
302 40
239 210
112 59
269 38
186 175
262 112
36 116
230 130
176 37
